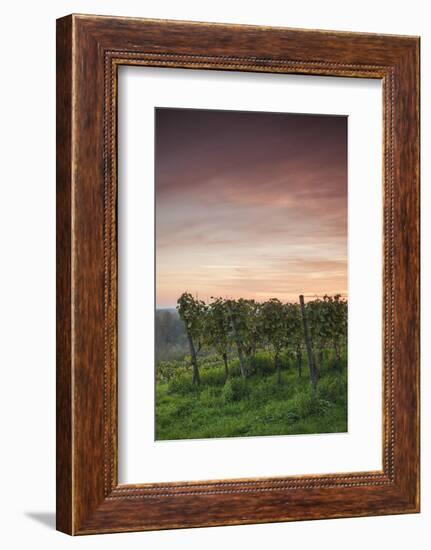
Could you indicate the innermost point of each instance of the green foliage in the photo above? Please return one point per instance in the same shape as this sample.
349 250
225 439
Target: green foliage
243 375
168 370
213 376
253 406
248 327
267 390
274 326
217 329
294 327
333 389
263 364
181 384
211 397
191 311
235 389
327 318
245 323
306 403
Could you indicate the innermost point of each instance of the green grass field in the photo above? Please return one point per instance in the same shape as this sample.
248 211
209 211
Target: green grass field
254 406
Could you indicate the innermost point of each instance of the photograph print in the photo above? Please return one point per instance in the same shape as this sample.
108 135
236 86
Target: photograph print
251 274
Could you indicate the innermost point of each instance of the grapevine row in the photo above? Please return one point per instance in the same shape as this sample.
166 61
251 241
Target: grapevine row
247 326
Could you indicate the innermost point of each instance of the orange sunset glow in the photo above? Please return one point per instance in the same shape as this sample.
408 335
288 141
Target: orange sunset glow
250 204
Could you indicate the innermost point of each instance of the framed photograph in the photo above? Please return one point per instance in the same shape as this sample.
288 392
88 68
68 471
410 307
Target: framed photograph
237 274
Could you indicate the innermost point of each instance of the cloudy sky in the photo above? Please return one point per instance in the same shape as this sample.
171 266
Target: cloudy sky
250 205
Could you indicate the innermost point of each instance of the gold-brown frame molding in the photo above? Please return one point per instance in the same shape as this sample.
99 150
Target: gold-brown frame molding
89 51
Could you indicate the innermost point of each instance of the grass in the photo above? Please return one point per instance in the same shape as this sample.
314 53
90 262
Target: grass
254 406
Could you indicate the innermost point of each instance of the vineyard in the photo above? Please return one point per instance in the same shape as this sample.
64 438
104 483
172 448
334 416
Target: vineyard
252 368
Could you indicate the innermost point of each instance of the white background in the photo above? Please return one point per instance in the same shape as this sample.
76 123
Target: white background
27 124
141 458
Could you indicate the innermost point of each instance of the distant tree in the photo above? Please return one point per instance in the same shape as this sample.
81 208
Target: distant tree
166 323
170 335
192 311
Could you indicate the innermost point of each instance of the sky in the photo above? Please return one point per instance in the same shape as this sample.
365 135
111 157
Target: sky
250 204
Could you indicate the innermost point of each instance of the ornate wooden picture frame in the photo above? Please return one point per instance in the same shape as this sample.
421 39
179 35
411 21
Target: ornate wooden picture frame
89 51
